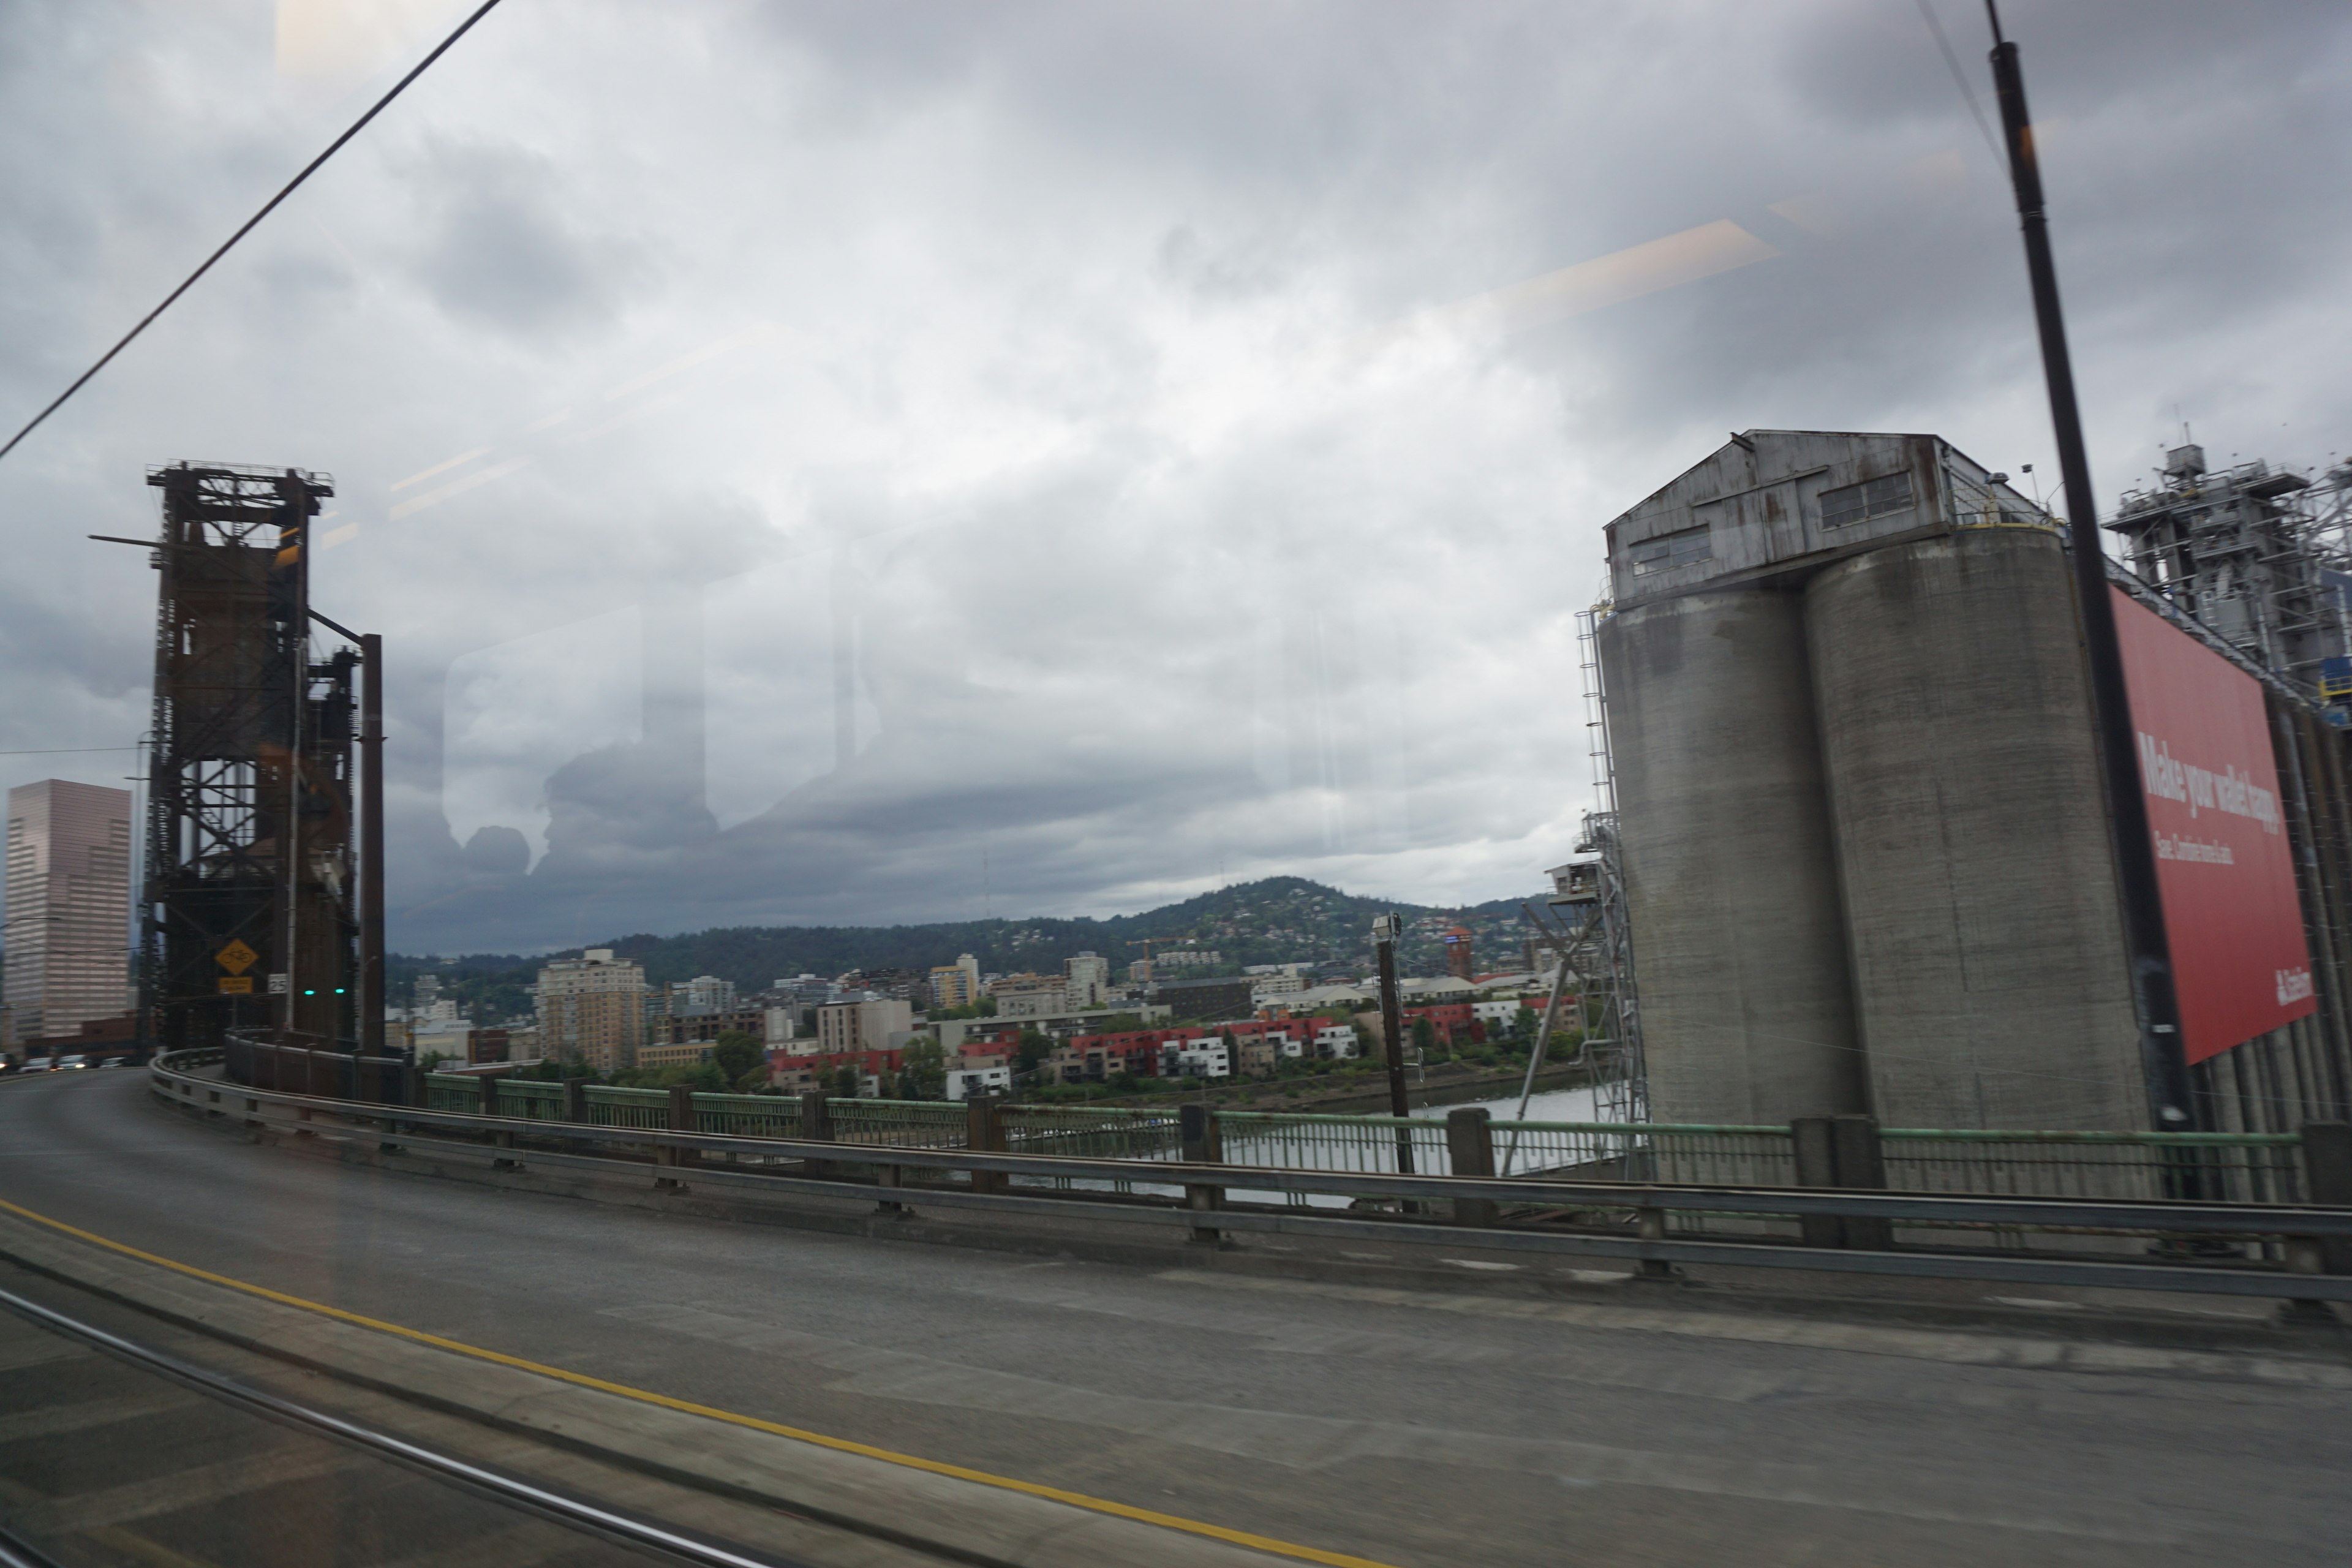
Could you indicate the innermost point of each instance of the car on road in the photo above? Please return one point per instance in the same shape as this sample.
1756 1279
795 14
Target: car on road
39 1064
75 1060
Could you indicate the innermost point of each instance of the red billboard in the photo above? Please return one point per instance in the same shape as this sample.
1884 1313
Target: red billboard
2222 861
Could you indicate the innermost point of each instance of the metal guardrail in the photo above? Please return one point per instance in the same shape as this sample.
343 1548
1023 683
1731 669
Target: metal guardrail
2263 1168
1487 1211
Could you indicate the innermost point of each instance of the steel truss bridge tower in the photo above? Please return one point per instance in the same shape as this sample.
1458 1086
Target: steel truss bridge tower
252 918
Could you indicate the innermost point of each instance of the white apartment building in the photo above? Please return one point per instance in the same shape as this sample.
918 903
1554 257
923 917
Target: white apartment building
969 1083
1206 1057
1336 1042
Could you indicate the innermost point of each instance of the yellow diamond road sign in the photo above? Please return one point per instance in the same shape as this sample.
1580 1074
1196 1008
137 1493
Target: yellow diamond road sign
236 958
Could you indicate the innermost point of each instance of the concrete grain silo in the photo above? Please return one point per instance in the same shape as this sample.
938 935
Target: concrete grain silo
1865 862
1729 869
1862 822
1990 976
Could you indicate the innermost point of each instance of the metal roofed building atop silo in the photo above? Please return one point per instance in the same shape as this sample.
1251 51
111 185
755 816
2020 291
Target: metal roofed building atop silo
1867 866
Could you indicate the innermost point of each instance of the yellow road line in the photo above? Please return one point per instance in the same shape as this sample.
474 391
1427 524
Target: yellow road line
841 1445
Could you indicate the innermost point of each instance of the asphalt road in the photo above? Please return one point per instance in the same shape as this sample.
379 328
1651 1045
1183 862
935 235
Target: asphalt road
1411 1427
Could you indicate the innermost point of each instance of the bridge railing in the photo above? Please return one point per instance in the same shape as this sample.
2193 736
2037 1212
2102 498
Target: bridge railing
292 1063
2225 1167
2301 1251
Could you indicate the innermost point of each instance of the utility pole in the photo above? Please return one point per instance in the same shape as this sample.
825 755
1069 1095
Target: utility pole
372 976
2163 1062
1384 937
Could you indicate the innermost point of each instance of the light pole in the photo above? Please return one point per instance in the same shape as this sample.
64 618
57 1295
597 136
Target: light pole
2172 1101
1384 936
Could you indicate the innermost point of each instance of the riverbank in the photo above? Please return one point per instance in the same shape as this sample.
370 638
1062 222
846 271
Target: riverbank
1365 1094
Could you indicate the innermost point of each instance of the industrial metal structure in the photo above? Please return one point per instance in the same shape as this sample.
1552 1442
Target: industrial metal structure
1589 935
252 914
2241 552
1867 864
1594 946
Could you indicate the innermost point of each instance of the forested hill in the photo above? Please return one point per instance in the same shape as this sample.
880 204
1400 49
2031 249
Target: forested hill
1279 920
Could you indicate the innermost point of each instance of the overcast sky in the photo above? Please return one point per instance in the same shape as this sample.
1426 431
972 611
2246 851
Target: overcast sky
864 462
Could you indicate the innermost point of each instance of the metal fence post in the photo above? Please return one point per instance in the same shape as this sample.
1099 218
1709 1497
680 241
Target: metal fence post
681 1120
983 1134
502 1138
1861 1163
1196 1129
2327 1180
1811 1139
1650 1225
1470 1150
816 1123
575 1101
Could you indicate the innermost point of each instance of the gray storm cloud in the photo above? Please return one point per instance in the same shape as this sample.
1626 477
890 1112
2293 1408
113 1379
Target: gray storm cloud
859 463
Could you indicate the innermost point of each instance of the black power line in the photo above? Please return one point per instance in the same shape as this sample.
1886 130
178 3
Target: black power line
1959 76
267 207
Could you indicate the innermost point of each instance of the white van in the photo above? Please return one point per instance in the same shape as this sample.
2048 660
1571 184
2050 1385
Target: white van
39 1064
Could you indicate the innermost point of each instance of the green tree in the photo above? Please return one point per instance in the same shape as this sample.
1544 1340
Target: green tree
1034 1049
844 1081
924 1074
1424 1039
739 1056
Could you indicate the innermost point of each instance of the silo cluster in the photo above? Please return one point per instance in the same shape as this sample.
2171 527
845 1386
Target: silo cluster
1866 856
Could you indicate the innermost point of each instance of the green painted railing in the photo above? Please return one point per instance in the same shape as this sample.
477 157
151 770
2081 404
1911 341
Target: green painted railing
538 1100
453 1091
900 1123
1090 1133
1300 1140
645 1108
2221 1166
2232 1167
748 1115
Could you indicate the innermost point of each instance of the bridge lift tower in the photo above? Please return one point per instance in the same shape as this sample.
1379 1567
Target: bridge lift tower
255 914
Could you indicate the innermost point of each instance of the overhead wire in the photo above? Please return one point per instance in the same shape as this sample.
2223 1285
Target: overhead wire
1959 77
250 224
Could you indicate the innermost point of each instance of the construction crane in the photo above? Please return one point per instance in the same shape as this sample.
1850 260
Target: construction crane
1149 942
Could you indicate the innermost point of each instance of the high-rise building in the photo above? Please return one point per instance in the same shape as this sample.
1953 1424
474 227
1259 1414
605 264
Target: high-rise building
956 984
1086 978
68 914
591 1009
862 1025
703 994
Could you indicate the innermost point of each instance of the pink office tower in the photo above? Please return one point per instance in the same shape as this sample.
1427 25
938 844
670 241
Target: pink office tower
69 911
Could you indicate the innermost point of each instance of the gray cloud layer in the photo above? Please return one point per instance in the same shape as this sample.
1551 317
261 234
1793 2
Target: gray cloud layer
905 459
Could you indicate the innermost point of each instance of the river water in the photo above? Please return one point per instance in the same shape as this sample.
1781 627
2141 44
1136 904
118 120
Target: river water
1548 1105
